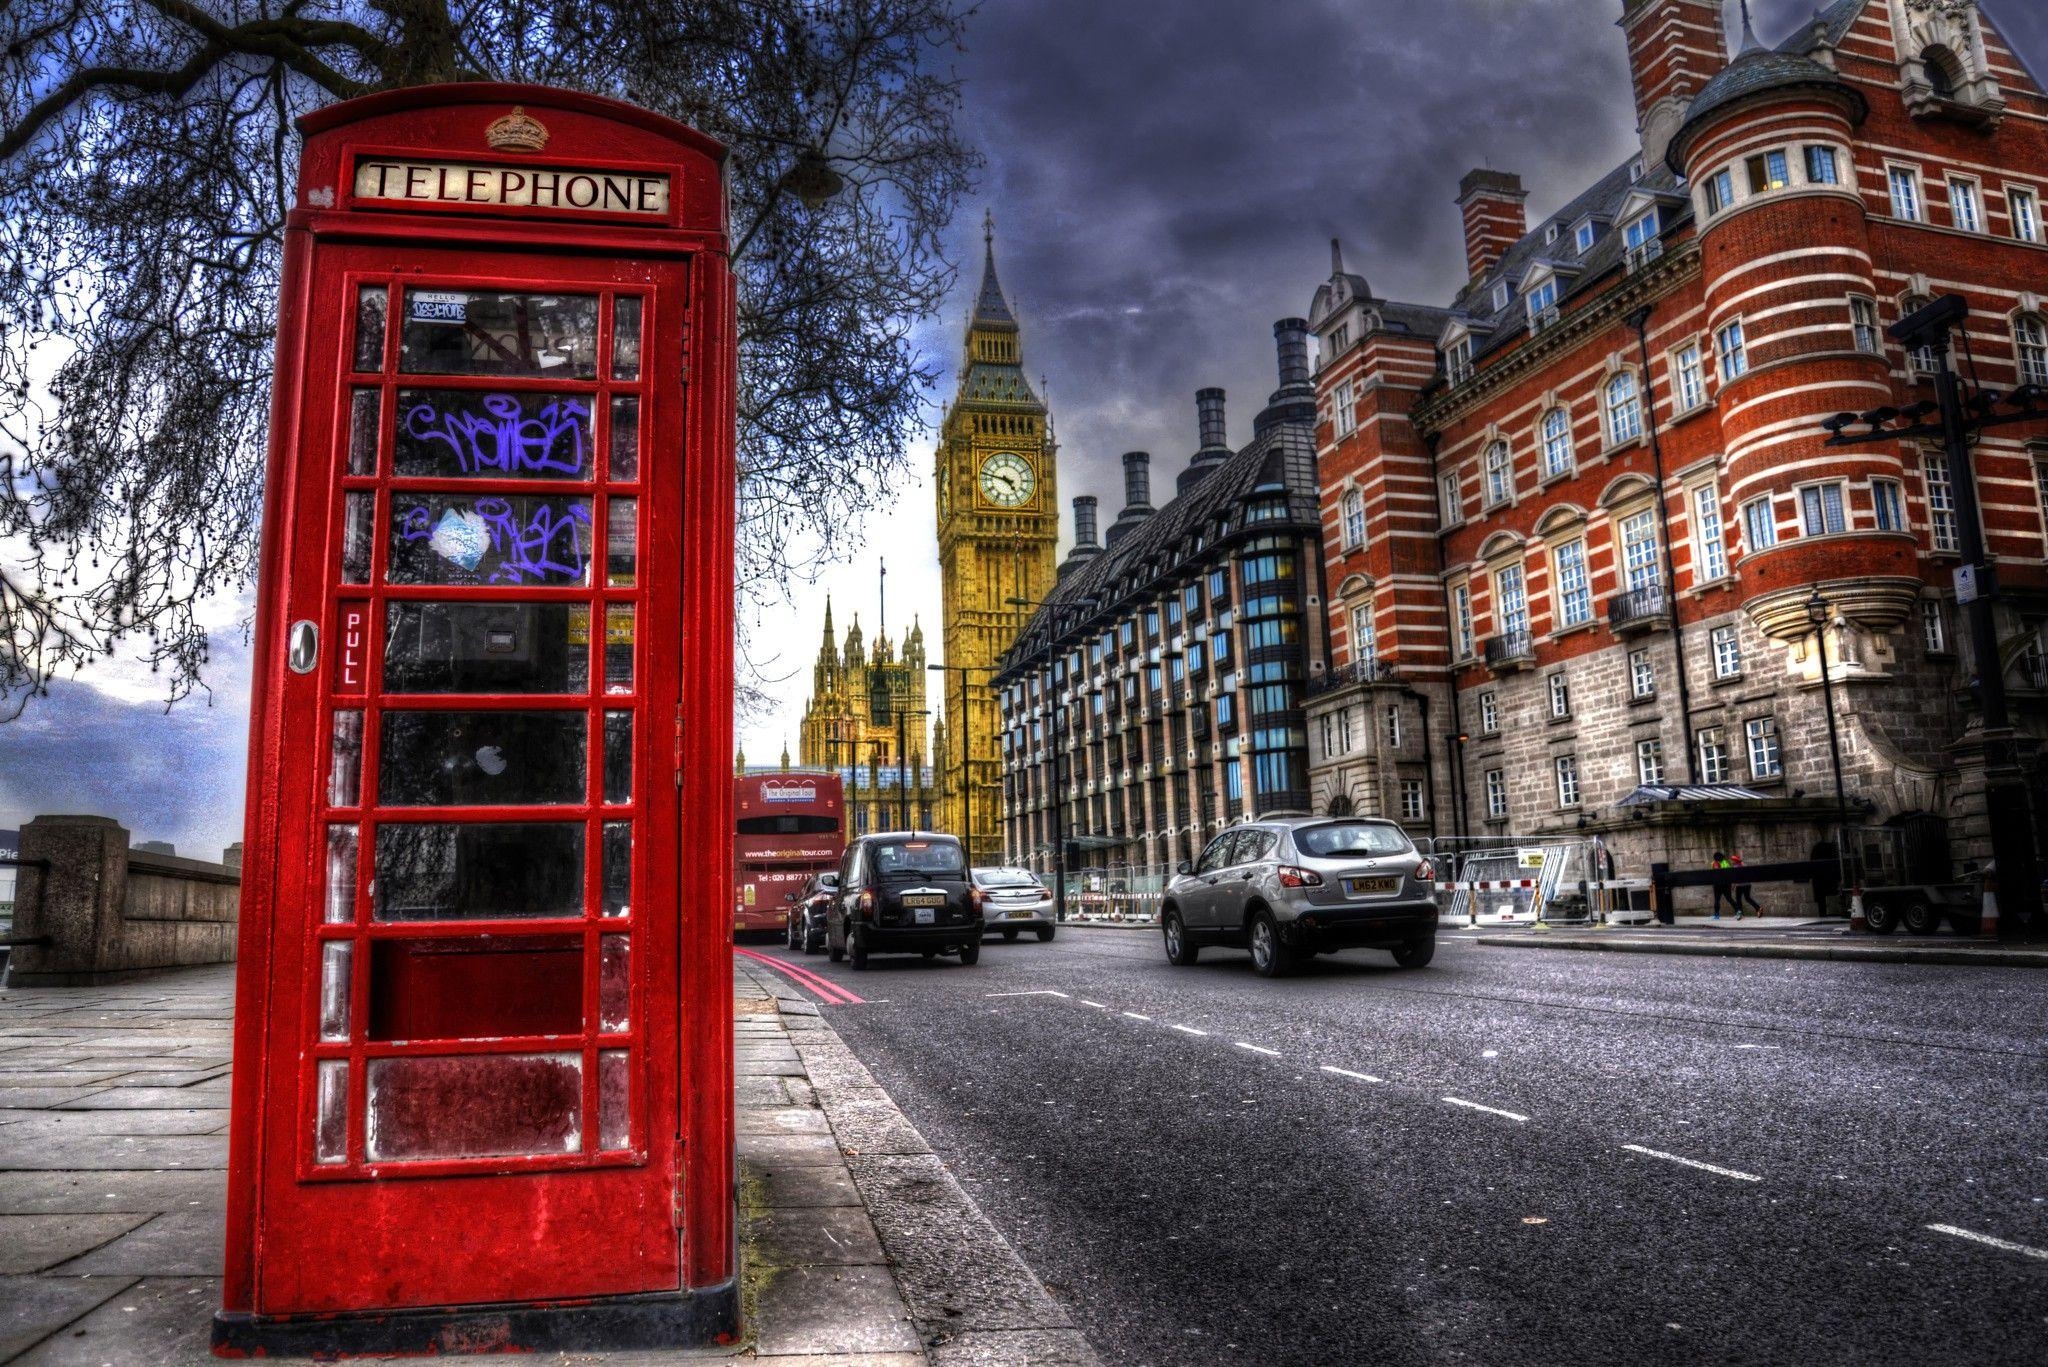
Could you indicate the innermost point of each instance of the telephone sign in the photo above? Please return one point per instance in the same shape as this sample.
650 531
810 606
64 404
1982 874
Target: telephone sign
482 1083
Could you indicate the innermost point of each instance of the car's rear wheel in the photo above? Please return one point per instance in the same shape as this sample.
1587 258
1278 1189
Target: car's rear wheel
1416 955
836 953
1181 952
1044 934
814 940
970 952
1270 958
857 949
792 937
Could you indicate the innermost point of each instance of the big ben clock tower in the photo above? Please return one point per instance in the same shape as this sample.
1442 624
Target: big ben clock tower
998 534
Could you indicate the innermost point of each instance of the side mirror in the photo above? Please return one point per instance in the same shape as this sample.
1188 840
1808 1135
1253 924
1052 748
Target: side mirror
789 897
1184 868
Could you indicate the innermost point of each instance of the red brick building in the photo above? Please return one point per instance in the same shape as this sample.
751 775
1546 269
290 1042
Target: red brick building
1573 519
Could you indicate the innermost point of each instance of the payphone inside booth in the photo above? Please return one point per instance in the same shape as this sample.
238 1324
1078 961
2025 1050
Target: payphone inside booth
482 1082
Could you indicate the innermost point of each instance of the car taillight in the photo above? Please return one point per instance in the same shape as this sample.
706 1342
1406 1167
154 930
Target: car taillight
976 898
865 904
1425 872
1292 877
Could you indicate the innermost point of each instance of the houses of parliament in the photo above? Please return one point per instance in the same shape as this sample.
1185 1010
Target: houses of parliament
892 724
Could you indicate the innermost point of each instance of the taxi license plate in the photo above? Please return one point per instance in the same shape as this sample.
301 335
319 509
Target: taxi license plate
929 899
926 915
1362 886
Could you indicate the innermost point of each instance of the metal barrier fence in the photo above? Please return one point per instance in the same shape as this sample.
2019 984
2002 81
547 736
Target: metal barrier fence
1528 880
1122 894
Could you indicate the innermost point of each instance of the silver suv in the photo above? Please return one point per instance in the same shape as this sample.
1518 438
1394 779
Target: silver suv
1293 888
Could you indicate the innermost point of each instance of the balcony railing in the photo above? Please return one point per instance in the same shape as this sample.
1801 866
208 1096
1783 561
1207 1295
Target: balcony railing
1644 254
1375 670
1643 609
1510 650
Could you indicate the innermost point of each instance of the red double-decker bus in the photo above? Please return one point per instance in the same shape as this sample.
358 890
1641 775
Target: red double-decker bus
789 824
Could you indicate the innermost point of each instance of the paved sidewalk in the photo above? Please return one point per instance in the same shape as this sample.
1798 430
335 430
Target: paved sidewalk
113 1150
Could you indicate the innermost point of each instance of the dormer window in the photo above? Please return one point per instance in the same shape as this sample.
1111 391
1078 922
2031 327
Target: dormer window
1458 360
1550 234
1585 235
1644 244
1635 170
1503 295
1542 303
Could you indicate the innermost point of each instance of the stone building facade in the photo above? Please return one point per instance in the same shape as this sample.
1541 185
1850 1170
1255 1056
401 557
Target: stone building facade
1575 516
996 479
1156 695
867 720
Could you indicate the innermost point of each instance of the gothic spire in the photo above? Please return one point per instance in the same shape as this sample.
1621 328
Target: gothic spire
991 307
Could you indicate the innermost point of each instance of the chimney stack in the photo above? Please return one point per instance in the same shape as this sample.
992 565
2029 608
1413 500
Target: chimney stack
1215 449
1084 524
1292 334
1496 217
1674 48
1137 495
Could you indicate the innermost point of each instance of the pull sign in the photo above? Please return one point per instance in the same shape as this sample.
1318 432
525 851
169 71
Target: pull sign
352 635
303 648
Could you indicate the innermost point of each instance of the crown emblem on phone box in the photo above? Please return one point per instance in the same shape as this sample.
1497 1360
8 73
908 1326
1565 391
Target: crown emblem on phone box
518 131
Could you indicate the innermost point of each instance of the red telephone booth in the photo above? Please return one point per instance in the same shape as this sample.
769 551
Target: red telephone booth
482 1083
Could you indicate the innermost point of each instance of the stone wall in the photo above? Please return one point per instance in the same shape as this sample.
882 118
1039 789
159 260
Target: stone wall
104 912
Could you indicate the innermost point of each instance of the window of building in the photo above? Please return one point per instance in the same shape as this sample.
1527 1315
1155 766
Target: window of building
1638 535
1720 192
1905 188
1769 171
1411 799
1550 232
1761 735
1557 443
1542 303
1497 794
1219 586
1713 751
1226 710
1503 294
1574 592
2030 348
1344 409
1448 502
1934 626
1172 613
2026 214
1560 692
1759 524
1644 245
1709 537
1965 209
1822 166
1731 348
1123 634
1650 761
1329 735
1394 726
1344 729
1727 647
1511 601
1642 674
1624 409
1354 519
1365 645
1151 622
1863 321
1461 620
1567 780
1888 505
1586 234
1500 474
1489 712
1941 503
1689 378
1820 509
1458 360
1922 360
1339 340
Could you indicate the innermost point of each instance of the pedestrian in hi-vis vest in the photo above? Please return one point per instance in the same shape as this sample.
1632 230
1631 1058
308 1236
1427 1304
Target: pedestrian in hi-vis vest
1741 893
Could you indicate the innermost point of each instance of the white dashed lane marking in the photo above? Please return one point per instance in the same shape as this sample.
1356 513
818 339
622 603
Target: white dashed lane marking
1988 1241
1346 1072
1258 1049
1490 1110
1190 1030
1693 1163
1136 1017
1097 1005
1042 992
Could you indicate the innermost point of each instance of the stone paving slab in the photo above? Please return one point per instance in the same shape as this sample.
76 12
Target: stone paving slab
36 1243
34 1308
183 1243
159 1321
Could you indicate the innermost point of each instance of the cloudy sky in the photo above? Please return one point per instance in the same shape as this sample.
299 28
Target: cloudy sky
1165 178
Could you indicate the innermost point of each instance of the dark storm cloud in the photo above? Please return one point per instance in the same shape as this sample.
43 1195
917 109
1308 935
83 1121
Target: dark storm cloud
1166 177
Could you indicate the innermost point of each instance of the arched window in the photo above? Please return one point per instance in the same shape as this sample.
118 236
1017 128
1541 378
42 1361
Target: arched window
1500 474
1557 442
1944 71
1354 518
2030 348
1624 409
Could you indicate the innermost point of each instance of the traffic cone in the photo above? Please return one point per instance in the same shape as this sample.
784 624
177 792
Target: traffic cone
1856 921
1987 919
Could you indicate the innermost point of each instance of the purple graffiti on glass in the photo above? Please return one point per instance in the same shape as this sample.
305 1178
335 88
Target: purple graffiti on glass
504 437
548 547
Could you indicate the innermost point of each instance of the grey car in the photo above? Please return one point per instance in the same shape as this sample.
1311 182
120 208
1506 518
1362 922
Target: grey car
1014 901
1292 888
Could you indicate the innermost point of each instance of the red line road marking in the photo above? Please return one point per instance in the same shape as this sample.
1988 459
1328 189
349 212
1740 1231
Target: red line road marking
831 992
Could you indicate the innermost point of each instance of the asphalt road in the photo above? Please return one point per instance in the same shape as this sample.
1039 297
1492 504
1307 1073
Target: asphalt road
1507 1157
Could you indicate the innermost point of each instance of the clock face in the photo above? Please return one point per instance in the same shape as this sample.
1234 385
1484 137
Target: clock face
1006 479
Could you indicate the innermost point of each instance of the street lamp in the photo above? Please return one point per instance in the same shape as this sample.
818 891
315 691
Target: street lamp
1961 421
1817 610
